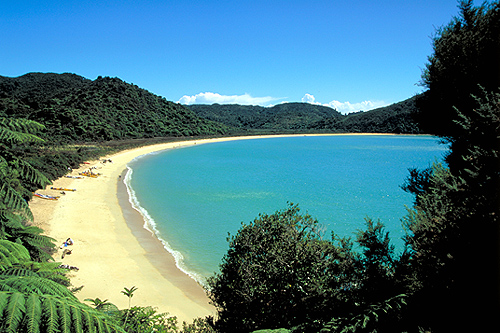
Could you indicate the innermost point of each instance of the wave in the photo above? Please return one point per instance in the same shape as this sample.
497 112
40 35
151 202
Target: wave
150 225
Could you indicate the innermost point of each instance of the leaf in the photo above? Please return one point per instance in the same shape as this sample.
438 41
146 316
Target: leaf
33 313
14 312
49 315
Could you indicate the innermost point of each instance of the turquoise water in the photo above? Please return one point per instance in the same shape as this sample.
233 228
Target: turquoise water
193 197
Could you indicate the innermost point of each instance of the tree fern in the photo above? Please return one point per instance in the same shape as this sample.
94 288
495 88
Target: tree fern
33 313
11 253
63 316
49 316
14 311
47 313
19 130
13 200
34 284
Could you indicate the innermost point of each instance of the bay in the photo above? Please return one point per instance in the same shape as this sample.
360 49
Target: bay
193 197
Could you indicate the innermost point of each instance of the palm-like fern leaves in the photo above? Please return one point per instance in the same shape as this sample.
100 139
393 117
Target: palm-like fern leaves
46 313
19 130
34 284
13 229
13 168
11 254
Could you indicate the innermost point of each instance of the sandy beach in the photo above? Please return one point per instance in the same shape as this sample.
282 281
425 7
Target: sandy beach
111 248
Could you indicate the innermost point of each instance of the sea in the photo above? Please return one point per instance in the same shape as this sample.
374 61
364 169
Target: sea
193 197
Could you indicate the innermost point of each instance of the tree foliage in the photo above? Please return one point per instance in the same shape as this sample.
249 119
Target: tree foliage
74 109
453 227
465 58
280 273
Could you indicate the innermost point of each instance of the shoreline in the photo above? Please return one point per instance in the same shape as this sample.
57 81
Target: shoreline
112 248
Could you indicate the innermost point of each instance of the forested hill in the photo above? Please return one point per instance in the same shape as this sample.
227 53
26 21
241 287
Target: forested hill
305 117
76 109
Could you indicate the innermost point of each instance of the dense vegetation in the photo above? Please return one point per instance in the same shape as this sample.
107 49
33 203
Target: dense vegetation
310 118
280 270
75 109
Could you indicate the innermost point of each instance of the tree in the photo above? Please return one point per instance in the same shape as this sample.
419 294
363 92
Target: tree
466 53
279 272
454 228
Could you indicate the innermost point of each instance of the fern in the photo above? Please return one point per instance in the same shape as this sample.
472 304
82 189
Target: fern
19 130
76 317
49 316
46 313
14 312
12 200
64 315
12 253
34 284
27 172
33 313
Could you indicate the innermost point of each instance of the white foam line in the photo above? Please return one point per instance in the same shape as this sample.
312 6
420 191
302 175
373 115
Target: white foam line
150 225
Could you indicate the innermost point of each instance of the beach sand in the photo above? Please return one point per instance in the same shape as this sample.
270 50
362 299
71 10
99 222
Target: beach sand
111 248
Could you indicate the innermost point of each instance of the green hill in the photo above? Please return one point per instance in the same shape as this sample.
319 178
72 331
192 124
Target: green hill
310 118
75 109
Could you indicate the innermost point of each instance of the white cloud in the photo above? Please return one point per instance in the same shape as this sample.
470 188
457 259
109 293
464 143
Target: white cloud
247 99
211 98
345 107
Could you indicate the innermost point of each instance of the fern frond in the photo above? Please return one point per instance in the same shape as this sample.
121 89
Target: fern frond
11 199
76 318
27 172
88 322
49 315
35 284
33 314
13 251
19 130
46 313
14 312
64 312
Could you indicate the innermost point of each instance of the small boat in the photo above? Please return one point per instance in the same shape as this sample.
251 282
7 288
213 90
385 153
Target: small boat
63 189
45 196
90 174
74 177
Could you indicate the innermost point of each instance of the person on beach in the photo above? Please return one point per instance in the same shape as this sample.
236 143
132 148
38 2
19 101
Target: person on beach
68 241
65 252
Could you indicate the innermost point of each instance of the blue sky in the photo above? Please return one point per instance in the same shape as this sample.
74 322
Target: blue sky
351 55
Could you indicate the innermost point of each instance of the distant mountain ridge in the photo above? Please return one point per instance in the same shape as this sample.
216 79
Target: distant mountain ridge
305 117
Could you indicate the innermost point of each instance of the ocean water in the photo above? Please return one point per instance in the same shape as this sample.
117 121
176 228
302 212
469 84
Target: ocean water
192 197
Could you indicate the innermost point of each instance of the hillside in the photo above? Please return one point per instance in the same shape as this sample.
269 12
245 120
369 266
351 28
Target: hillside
310 118
75 109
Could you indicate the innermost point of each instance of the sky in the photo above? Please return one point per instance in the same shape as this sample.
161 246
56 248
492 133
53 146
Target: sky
348 54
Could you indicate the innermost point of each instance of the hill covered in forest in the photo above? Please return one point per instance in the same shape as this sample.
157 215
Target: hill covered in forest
311 118
76 109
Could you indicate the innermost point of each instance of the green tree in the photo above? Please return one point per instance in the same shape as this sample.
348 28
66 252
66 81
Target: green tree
465 56
454 228
279 272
